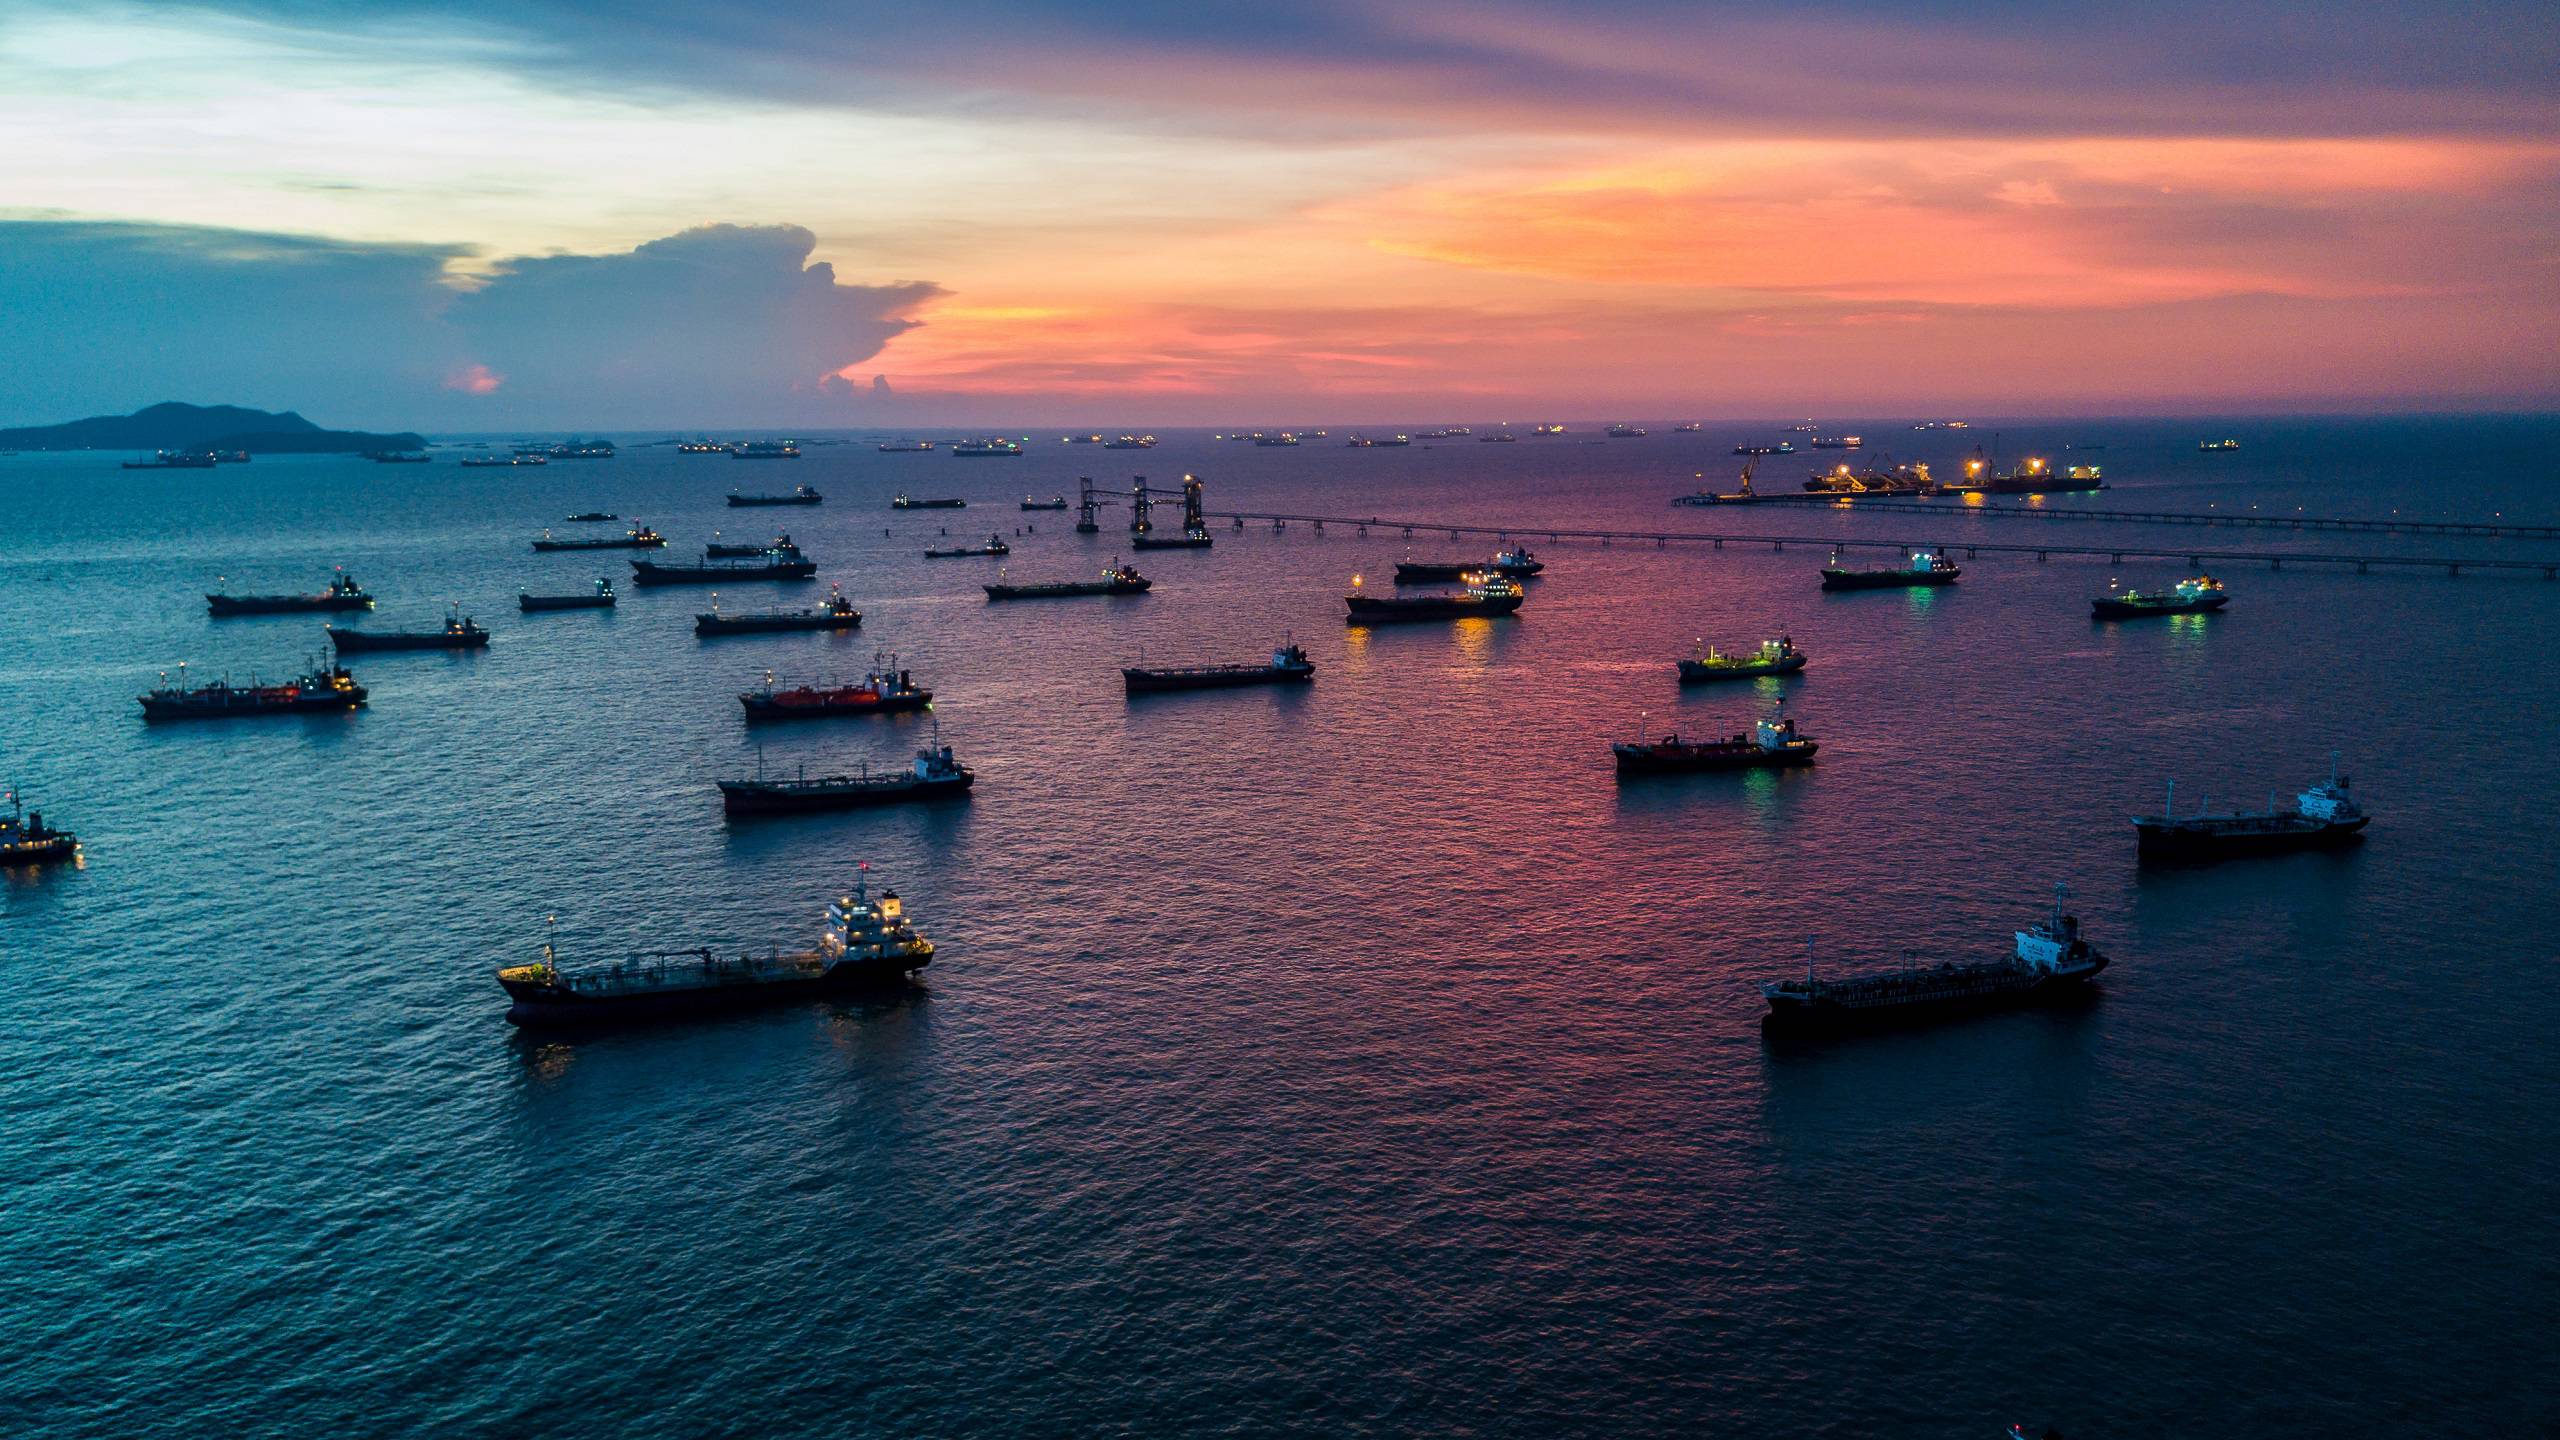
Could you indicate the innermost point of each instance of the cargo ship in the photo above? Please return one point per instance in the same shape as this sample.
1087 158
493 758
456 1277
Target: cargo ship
904 447
1783 447
1925 567
798 495
1275 441
781 544
459 632
1383 442
1771 743
1054 502
1499 437
590 517
1515 562
1196 537
974 449
722 572
766 450
837 614
1288 665
491 462
1912 479
173 460
2201 595
343 594
641 538
1130 442
1627 432
26 840
399 457
2034 476
702 446
601 599
934 775
2324 816
2208 446
995 546
1774 657
887 690
2050 960
863 944
903 501
1487 595
1118 580
1837 442
325 688
582 450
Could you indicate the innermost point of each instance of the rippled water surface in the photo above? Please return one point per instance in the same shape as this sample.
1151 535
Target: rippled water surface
1359 1059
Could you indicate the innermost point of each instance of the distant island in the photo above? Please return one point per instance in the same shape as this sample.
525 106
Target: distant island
173 426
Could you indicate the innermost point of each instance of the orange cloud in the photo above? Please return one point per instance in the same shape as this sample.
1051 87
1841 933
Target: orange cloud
474 380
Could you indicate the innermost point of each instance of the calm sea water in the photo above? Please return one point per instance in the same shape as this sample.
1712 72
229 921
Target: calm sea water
1355 1060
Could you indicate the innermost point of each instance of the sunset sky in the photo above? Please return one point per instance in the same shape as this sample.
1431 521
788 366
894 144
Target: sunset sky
656 214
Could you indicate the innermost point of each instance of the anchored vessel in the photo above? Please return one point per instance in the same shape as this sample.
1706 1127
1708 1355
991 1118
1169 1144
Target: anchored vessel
2187 597
2050 960
1486 594
885 691
26 840
486 462
1771 743
174 460
1774 657
1783 447
1054 502
799 495
2034 476
1515 562
766 450
903 501
2204 445
995 546
637 538
1118 580
718 572
2323 816
1901 480
1288 664
904 447
1128 442
992 445
1626 432
602 599
325 688
343 594
863 944
933 775
459 632
837 614
588 516
1925 567
779 545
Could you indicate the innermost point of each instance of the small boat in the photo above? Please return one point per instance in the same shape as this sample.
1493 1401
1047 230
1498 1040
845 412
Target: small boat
887 690
766 450
2049 961
640 538
837 614
904 501
904 447
588 517
1128 442
1118 580
1486 595
2201 595
601 599
799 495
1771 743
1515 562
721 572
1054 502
781 545
933 775
863 945
1288 665
971 449
2323 817
1774 657
343 594
174 460
1926 567
459 632
325 688
995 546
26 840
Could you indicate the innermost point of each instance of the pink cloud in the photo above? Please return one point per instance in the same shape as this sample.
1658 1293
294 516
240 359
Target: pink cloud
474 380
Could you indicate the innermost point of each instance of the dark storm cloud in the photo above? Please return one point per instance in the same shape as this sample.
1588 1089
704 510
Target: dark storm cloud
720 322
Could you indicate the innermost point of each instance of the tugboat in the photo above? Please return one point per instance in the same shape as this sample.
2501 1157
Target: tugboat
902 501
781 545
766 450
864 944
2324 816
588 516
934 775
1926 567
1774 657
602 599
26 840
1054 502
329 688
1289 664
837 614
800 495
1486 594
1772 743
720 572
2201 595
885 691
2050 960
992 445
638 538
995 546
1515 562
459 632
343 594
1118 580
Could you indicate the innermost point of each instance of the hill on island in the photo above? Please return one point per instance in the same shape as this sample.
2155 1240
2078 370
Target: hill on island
173 426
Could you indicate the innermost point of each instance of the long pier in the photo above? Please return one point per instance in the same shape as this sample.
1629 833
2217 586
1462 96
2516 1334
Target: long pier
2199 558
1915 505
